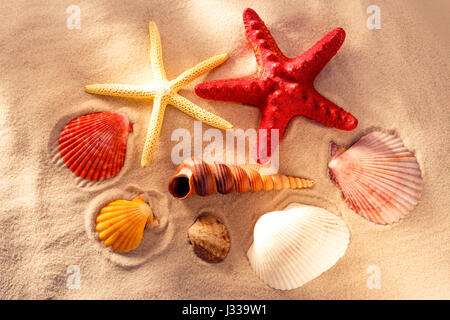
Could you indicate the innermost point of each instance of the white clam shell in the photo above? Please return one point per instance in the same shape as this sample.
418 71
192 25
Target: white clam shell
294 246
379 178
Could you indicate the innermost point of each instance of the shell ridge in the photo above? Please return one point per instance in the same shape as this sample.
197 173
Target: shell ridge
97 168
89 142
399 193
388 185
78 137
72 133
75 158
96 154
118 235
127 240
121 214
121 223
372 210
357 200
110 166
112 158
379 177
106 233
295 246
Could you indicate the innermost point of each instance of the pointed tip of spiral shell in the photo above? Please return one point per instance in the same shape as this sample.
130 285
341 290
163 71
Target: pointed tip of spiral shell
380 179
121 223
296 245
94 146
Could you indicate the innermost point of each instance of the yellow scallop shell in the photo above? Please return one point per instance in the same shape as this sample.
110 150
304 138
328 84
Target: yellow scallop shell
121 223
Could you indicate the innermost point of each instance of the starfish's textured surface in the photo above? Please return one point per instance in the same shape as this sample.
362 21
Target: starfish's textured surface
164 92
282 87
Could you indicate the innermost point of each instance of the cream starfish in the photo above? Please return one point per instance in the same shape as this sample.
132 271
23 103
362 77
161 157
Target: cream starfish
164 92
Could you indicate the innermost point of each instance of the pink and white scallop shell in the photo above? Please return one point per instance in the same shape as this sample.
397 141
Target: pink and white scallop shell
379 178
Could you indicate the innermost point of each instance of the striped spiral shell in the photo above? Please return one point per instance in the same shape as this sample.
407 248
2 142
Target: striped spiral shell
195 176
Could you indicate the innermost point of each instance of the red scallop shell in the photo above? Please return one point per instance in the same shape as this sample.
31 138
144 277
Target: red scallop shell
93 146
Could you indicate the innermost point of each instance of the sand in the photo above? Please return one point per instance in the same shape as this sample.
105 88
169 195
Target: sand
394 79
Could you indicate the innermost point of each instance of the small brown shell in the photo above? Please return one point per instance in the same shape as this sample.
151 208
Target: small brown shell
209 238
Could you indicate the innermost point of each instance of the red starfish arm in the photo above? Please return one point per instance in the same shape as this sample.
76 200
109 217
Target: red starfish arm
264 46
244 90
314 60
271 130
326 112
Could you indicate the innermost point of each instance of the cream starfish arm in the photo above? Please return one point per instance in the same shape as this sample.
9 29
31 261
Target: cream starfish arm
154 128
156 53
121 90
203 67
198 113
164 92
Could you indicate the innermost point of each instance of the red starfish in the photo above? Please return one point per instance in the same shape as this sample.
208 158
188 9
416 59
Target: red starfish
282 87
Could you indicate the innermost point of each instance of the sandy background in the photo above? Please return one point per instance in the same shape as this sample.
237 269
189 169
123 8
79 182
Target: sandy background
395 78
